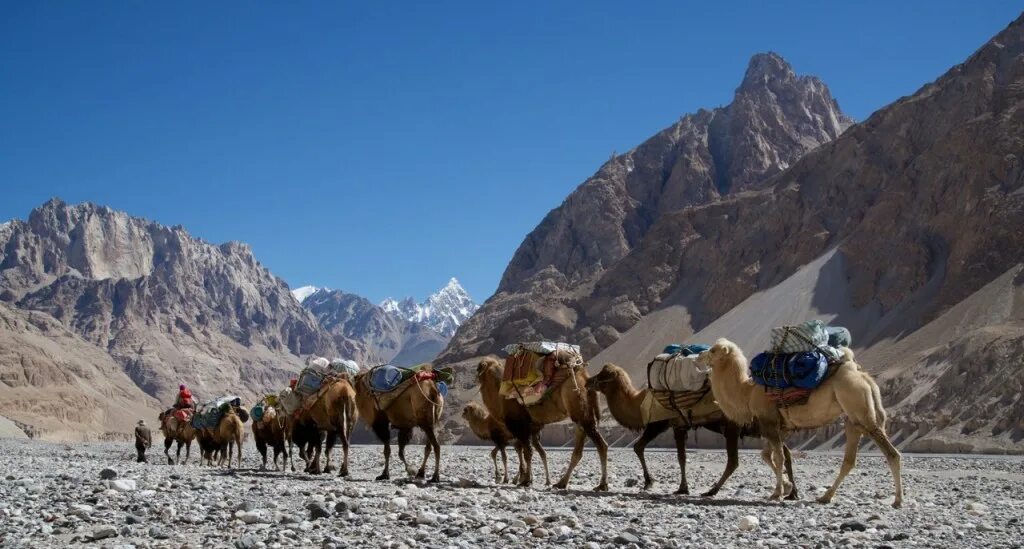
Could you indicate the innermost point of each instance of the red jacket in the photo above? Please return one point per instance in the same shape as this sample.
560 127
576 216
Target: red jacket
184 399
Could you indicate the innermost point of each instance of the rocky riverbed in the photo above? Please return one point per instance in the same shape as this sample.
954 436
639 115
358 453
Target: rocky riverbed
57 494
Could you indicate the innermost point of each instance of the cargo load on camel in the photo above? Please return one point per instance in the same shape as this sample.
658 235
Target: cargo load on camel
208 414
676 382
800 359
387 382
534 369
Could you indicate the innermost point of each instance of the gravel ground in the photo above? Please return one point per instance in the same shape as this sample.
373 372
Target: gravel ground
54 494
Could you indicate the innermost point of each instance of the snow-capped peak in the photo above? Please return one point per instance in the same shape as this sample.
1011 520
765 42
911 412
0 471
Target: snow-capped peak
302 293
443 311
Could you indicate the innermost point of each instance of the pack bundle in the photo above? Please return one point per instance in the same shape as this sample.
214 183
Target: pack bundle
534 369
676 369
388 381
208 414
260 408
801 357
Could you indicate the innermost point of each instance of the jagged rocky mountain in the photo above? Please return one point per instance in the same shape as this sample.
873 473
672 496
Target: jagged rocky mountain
907 228
370 334
108 311
775 118
444 311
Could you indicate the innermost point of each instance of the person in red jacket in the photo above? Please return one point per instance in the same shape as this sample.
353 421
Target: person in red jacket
184 399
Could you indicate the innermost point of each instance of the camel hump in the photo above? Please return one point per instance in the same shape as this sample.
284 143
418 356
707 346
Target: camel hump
847 354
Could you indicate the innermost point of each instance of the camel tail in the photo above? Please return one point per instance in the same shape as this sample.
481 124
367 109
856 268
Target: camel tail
876 396
344 422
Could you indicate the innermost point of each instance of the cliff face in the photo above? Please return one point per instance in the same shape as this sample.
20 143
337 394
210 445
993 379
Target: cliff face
774 119
163 305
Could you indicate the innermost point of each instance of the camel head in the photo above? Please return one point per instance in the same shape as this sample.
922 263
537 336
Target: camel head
724 356
489 366
474 412
610 376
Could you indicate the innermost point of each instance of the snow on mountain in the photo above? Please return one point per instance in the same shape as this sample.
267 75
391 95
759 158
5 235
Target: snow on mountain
443 311
302 293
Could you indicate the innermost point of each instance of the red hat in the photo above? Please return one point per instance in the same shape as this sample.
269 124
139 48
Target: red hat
293 382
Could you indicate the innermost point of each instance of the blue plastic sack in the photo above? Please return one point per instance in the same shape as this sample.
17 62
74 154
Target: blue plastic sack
442 388
256 412
695 349
385 378
782 371
672 349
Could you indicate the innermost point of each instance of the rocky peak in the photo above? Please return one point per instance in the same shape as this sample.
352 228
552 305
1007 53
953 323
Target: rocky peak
764 69
444 311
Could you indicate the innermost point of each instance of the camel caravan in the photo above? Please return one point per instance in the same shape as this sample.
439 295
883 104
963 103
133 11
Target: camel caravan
806 379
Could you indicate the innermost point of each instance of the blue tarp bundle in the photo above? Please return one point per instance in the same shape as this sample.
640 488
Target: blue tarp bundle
782 371
386 378
686 350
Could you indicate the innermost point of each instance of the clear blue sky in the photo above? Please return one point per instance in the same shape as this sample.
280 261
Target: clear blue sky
383 147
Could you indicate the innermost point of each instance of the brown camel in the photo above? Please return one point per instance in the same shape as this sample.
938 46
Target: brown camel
334 412
419 406
487 427
176 430
268 432
570 400
625 403
849 390
225 437
489 386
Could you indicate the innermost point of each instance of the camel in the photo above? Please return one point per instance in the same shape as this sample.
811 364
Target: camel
487 427
335 413
496 408
176 430
419 406
570 400
625 404
300 431
224 438
849 390
268 432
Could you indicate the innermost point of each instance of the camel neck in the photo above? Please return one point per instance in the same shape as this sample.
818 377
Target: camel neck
732 392
625 403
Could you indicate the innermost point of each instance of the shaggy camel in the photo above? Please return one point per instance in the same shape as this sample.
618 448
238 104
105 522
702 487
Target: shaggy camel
849 390
487 427
224 438
489 386
625 403
335 413
267 432
175 430
419 406
570 400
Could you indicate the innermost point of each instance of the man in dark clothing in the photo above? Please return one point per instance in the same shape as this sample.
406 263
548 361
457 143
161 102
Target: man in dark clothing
143 440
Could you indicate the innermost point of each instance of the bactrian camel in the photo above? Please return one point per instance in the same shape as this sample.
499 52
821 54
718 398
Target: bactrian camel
268 433
849 390
570 400
495 403
224 438
334 412
419 406
176 430
487 427
625 403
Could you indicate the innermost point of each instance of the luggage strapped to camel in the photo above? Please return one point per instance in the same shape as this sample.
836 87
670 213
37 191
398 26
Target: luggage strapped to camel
535 369
386 382
801 358
675 380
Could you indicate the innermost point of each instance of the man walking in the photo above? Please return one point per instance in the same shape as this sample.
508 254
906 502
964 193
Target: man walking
143 440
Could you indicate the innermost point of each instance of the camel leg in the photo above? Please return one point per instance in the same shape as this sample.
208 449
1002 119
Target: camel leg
261 447
167 450
577 454
313 467
777 460
793 494
602 453
382 429
238 449
427 448
679 434
494 459
651 431
853 434
343 471
433 443
517 446
188 451
535 439
732 456
332 437
404 437
521 430
892 457
504 465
